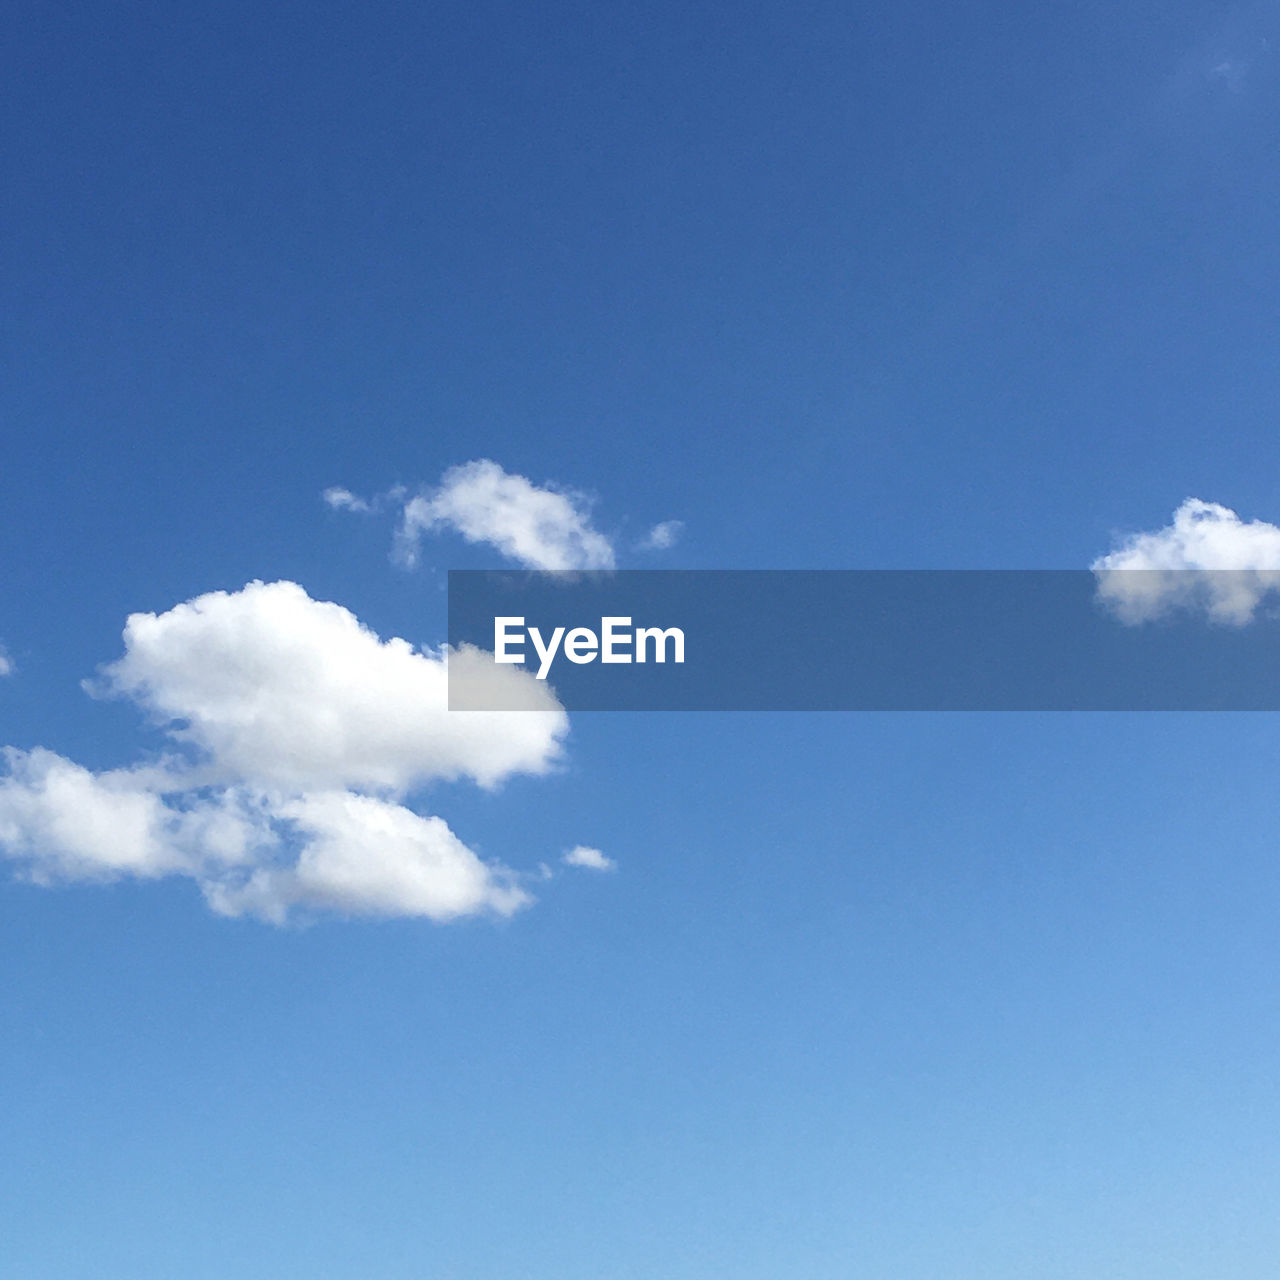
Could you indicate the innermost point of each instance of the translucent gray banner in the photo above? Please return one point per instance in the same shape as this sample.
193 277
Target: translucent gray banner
801 640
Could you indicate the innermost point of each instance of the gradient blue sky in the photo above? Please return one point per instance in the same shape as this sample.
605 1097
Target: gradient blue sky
976 997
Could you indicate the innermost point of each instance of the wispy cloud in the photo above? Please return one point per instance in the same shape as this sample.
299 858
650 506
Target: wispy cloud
6 663
1231 72
537 526
1240 51
341 499
583 855
662 537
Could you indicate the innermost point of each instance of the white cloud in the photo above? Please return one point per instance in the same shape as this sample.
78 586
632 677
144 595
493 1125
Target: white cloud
6 663
261 854
1207 558
540 528
67 823
282 690
286 712
365 856
584 856
341 499
662 536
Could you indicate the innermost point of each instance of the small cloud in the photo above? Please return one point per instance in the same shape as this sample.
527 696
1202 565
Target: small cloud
6 663
584 856
536 526
662 536
1206 559
1230 72
539 527
341 499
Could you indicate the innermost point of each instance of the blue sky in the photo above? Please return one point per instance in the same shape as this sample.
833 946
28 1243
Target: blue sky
882 996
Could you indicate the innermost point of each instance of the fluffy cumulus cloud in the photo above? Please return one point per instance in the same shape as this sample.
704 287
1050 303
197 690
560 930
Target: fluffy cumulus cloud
1206 559
540 528
283 690
368 856
296 734
69 823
